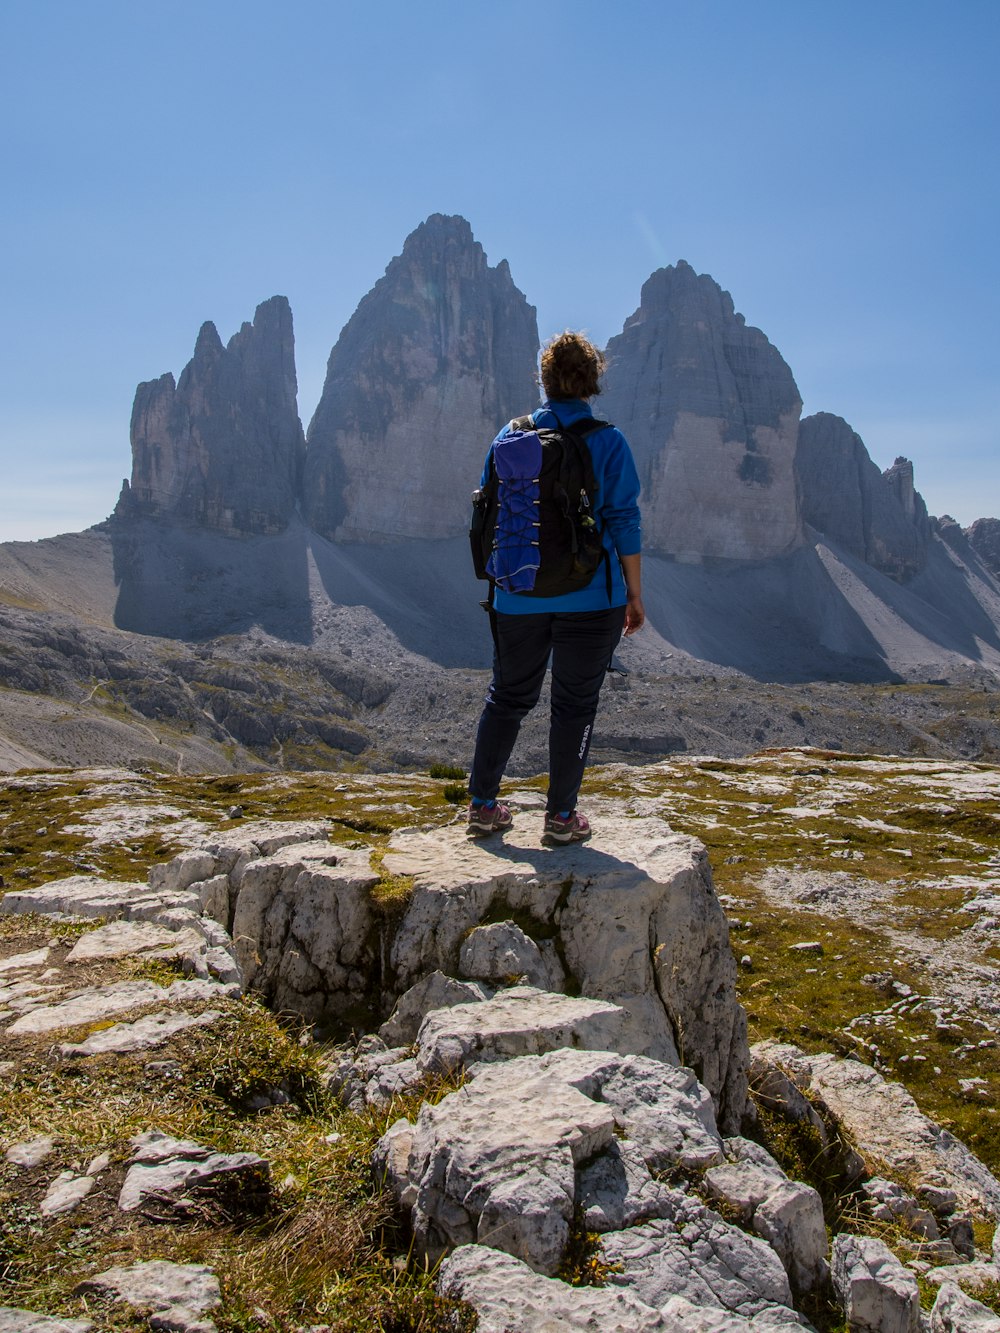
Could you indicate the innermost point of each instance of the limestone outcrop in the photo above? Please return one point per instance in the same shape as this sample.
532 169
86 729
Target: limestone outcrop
711 411
631 917
554 1133
438 355
873 1287
878 516
885 1123
222 448
497 1163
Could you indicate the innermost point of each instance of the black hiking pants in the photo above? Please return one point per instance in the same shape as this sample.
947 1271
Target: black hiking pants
581 644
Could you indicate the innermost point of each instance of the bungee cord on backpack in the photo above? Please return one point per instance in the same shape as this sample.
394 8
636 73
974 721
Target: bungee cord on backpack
516 554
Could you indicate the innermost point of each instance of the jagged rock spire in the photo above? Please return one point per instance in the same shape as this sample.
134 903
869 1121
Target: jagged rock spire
222 448
437 356
878 516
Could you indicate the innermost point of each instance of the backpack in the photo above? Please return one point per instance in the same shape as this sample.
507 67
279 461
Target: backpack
533 531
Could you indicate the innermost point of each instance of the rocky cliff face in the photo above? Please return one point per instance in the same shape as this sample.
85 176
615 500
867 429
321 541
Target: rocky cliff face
438 355
984 538
878 516
711 411
223 447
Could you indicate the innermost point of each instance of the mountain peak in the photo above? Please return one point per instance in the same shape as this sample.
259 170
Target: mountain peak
436 357
711 411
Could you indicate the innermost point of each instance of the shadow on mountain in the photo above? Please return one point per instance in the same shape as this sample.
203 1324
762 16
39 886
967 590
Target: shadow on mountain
966 594
424 591
817 614
781 620
190 583
822 614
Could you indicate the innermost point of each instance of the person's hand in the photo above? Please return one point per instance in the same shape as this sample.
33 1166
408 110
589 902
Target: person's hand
635 615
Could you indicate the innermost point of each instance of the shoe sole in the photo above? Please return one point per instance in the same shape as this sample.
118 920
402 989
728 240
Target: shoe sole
561 839
484 830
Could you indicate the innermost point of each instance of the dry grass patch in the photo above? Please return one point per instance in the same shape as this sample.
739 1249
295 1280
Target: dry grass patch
326 1247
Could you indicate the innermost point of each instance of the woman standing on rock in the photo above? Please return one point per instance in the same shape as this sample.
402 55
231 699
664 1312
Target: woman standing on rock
579 628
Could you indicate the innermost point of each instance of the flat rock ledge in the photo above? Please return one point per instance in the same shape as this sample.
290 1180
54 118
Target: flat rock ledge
175 1296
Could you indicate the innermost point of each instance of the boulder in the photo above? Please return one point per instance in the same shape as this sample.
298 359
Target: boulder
955 1312
696 1255
634 915
889 1202
742 1187
967 1276
166 1168
787 1214
790 1219
501 953
509 1297
435 991
877 1293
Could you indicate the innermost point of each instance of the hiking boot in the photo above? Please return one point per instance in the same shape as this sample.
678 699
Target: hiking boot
574 828
495 818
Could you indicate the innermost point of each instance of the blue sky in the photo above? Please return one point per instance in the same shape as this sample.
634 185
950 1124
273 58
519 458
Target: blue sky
834 166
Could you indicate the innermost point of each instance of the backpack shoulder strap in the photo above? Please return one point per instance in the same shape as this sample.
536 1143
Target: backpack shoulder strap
576 435
586 426
523 423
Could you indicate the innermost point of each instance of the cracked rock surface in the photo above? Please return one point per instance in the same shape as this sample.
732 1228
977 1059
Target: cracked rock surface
497 1161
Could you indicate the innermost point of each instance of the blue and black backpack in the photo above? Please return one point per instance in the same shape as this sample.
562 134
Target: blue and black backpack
533 529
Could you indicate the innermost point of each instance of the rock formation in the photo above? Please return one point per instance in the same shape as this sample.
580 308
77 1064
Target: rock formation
437 356
632 920
711 411
222 448
984 538
875 515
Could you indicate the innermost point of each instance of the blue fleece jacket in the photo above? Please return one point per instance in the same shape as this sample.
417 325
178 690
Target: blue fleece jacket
616 510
